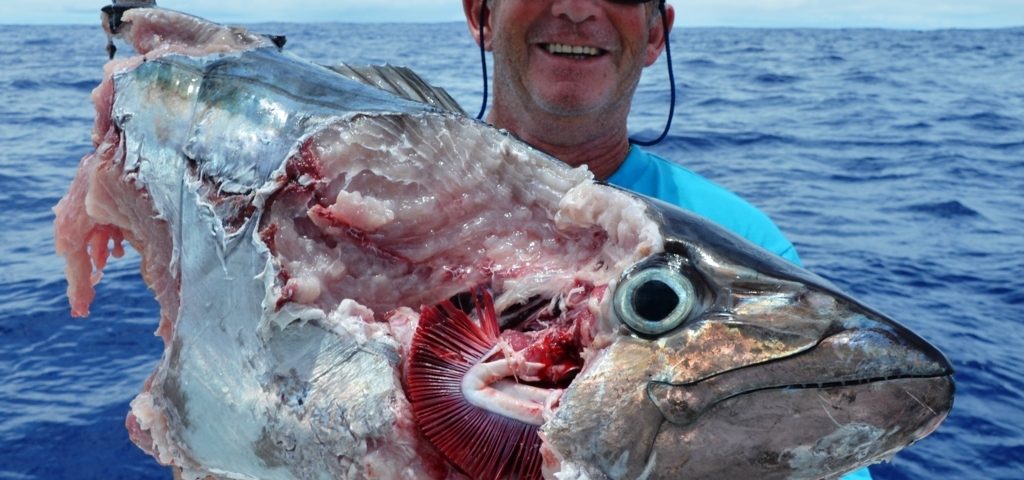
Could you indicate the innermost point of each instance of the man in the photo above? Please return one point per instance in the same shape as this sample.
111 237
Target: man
564 76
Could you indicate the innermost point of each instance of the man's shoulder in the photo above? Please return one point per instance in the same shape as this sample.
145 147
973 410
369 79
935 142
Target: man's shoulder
650 174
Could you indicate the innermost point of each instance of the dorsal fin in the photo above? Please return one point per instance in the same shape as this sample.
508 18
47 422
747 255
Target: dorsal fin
400 81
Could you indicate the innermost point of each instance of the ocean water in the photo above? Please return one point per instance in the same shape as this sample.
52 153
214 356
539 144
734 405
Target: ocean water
893 159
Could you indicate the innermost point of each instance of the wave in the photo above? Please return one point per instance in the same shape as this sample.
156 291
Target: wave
31 85
719 140
776 78
949 209
986 121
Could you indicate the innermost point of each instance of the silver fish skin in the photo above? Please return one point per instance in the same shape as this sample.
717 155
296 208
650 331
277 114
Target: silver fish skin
292 222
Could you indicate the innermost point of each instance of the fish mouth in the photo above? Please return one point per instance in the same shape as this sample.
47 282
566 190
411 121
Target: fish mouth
840 362
821 431
829 409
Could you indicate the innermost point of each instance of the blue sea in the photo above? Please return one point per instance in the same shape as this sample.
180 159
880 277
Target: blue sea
893 159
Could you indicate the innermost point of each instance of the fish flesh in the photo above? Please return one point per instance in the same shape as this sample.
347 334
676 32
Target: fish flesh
361 282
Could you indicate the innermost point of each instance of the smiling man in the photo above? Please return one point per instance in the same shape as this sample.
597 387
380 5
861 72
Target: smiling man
565 72
564 76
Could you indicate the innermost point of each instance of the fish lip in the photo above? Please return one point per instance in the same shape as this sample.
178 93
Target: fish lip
794 386
682 403
683 414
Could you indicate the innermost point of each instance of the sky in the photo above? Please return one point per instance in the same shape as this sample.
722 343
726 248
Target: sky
902 14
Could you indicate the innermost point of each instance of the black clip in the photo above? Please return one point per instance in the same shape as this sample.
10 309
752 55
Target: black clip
278 40
114 13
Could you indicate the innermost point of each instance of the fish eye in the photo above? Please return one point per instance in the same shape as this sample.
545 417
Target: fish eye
655 300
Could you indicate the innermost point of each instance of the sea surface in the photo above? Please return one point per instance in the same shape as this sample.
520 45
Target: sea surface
893 159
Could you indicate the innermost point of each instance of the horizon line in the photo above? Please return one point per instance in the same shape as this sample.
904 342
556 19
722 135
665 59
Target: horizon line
677 27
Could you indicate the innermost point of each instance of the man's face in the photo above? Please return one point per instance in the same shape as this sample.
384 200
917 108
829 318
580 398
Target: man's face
571 57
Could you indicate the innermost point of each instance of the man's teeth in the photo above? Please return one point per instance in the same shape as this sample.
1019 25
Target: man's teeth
560 48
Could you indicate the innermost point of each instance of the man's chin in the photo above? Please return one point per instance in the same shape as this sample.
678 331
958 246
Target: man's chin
573 103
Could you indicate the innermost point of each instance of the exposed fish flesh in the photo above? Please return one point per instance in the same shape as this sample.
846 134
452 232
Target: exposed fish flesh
354 284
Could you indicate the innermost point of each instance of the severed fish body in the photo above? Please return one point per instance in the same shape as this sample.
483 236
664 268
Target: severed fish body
357 285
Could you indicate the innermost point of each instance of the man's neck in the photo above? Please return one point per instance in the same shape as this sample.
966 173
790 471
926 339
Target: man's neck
575 142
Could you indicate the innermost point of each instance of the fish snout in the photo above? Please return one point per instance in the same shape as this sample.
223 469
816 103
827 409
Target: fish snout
860 394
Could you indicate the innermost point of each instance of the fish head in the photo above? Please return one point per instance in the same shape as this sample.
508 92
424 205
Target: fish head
727 361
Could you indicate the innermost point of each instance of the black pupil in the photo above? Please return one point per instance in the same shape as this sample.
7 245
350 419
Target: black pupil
654 301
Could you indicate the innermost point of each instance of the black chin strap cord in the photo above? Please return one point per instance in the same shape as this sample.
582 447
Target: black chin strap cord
671 82
483 57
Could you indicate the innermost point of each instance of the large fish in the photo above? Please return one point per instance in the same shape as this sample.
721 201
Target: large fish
354 284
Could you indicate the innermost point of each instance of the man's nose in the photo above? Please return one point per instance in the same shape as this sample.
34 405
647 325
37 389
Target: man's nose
576 11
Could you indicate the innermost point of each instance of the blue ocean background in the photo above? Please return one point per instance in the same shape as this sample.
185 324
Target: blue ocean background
893 159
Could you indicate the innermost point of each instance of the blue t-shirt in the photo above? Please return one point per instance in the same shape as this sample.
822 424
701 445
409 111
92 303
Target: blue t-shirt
651 175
